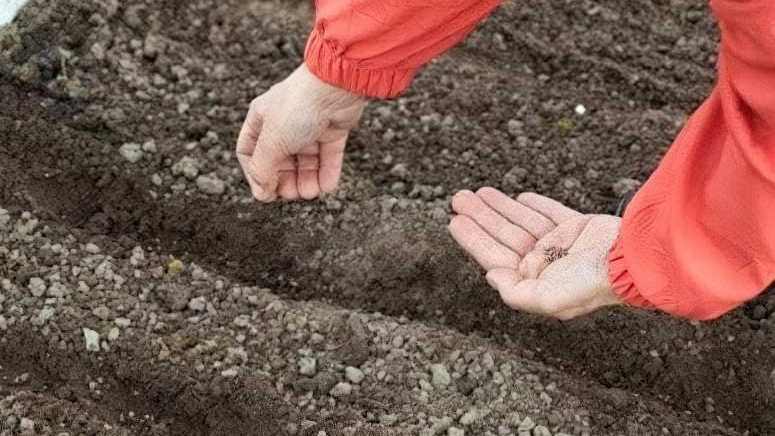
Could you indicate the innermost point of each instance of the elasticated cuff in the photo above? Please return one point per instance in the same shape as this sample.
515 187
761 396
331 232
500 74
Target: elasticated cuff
622 281
325 61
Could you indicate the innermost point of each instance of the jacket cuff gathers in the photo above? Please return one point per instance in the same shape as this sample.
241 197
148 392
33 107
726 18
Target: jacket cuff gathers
323 58
622 281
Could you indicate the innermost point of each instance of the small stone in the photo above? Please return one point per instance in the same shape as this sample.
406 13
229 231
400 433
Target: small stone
10 422
175 267
229 373
211 185
341 389
454 431
541 430
469 417
187 166
625 186
123 322
92 340
580 110
150 146
514 127
198 304
46 314
91 248
353 374
37 286
101 312
113 334
308 366
131 152
440 376
27 424
527 424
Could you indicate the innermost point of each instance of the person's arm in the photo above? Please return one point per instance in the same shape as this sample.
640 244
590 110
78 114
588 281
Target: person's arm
292 143
374 48
698 239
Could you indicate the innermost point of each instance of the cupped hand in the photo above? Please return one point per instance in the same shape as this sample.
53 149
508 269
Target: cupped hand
292 143
541 256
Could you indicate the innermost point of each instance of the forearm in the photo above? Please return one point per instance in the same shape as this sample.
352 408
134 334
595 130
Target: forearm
375 48
697 240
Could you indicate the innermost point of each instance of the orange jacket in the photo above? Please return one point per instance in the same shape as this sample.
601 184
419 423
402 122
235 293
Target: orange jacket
695 240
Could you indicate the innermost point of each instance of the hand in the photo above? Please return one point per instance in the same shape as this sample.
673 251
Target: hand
541 256
292 143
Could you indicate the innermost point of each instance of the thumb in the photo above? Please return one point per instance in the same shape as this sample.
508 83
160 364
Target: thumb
526 295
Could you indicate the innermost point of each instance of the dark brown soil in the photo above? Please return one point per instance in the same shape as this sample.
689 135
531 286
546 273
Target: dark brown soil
639 67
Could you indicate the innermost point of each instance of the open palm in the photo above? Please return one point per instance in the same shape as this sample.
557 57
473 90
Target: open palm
541 256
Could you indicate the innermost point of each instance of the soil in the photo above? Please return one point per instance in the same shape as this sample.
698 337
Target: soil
81 79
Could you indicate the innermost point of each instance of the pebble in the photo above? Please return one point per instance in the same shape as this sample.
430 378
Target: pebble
210 185
469 417
514 127
341 389
37 286
27 424
92 248
150 146
454 431
198 304
187 166
580 109
625 186
541 430
46 314
123 322
92 340
131 152
440 376
229 373
354 374
527 424
175 267
101 312
308 366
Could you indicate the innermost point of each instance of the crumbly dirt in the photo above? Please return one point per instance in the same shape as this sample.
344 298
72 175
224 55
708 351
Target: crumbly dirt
117 124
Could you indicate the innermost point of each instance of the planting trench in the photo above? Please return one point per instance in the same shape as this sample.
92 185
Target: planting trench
380 244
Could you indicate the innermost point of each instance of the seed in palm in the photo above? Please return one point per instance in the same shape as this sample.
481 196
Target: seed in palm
554 253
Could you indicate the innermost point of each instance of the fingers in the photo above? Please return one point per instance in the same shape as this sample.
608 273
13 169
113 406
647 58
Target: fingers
555 211
255 190
287 185
488 252
308 163
553 247
251 129
265 166
504 231
331 157
538 225
526 295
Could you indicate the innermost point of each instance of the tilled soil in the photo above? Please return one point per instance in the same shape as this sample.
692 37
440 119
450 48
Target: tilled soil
117 123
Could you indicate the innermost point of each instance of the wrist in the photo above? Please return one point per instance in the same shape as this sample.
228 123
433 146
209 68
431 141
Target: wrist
325 94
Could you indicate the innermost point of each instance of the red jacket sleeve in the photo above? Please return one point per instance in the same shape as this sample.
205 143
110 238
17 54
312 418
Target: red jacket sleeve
375 47
698 239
